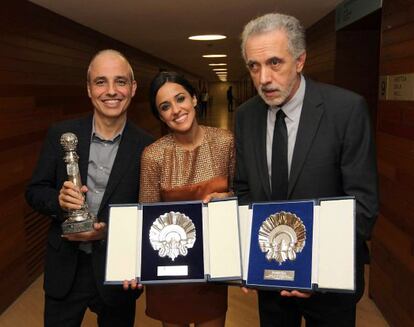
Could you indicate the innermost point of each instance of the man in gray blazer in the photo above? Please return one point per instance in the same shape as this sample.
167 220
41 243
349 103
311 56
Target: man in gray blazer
109 148
316 141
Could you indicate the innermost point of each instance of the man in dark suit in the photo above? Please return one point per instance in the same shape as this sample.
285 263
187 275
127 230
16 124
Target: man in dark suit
307 140
109 147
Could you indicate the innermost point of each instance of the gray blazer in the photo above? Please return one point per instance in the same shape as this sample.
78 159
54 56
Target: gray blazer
334 154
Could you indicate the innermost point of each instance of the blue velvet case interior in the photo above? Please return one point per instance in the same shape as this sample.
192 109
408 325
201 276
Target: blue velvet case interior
301 266
150 258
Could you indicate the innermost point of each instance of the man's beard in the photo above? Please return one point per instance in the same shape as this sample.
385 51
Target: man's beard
282 94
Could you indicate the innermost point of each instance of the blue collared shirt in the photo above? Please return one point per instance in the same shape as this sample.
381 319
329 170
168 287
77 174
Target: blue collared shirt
102 155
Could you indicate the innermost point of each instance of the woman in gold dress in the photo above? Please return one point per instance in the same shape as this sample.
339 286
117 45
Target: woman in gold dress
193 162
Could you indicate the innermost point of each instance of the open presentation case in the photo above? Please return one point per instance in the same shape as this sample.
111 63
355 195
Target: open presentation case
304 245
174 242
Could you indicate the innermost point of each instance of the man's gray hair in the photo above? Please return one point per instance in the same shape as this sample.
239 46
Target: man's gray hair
112 51
274 21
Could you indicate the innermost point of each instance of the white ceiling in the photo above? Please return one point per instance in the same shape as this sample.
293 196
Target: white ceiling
162 27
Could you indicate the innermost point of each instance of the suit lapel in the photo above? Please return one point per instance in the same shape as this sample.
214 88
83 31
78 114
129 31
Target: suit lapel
123 158
312 112
260 150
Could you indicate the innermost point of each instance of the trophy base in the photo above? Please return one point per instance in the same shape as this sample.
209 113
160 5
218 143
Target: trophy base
70 227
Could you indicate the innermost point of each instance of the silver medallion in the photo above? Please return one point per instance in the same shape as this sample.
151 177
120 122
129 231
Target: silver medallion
281 236
172 234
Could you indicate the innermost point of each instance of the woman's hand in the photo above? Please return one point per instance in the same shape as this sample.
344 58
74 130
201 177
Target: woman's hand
217 195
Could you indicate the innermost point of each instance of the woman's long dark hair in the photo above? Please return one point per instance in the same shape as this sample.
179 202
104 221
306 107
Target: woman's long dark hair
159 80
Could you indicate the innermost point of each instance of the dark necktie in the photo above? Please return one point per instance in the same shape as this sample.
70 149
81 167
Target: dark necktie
279 158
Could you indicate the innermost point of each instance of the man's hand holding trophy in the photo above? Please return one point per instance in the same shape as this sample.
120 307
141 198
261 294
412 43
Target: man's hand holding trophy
80 223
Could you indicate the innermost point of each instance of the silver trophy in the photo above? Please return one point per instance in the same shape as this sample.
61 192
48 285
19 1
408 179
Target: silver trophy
77 220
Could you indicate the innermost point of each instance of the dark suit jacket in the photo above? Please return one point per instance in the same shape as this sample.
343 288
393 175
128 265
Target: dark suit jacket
42 195
334 154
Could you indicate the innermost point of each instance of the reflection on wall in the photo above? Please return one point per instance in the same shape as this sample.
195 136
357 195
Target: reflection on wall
43 61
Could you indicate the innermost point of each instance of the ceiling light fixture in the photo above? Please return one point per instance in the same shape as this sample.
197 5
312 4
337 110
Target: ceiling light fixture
219 69
215 56
207 37
218 64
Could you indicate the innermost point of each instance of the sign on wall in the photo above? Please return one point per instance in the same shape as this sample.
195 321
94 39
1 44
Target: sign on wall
397 87
350 11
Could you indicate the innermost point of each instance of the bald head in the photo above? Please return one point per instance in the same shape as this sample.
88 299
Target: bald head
110 54
111 87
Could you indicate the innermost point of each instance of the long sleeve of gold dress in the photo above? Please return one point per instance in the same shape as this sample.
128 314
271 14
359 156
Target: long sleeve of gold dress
171 173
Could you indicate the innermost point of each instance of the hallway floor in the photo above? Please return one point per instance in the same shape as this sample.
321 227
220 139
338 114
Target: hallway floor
27 310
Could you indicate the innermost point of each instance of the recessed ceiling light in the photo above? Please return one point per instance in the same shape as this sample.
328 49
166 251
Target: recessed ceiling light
219 69
218 64
215 56
207 37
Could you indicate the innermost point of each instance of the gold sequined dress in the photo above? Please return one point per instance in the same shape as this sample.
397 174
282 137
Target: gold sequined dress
172 173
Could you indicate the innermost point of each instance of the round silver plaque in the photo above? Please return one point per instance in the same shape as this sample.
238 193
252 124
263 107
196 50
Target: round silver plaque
281 236
172 234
